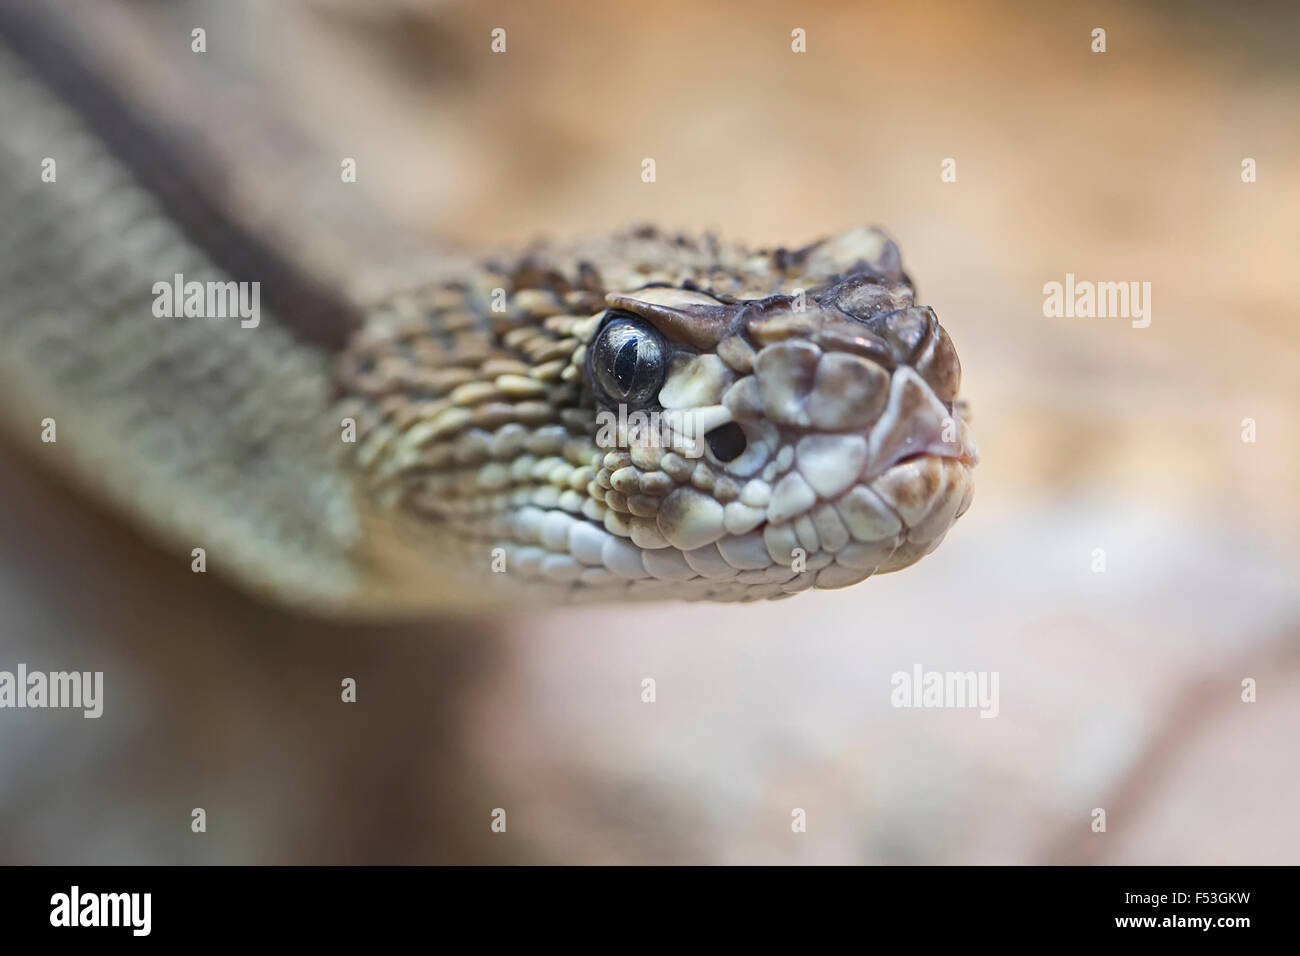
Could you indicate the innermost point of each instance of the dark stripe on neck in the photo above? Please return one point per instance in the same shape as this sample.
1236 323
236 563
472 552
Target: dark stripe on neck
313 312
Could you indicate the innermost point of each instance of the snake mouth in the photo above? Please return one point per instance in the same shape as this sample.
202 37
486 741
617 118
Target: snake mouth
966 456
917 440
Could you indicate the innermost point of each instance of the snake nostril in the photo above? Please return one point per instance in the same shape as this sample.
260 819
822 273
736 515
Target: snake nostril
727 442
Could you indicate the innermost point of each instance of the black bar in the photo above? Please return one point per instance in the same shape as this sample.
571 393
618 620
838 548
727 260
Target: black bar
923 905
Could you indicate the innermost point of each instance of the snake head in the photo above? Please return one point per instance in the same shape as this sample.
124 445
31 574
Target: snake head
655 416
762 445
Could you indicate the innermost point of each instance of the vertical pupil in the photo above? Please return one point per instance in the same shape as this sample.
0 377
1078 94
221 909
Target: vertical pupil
625 362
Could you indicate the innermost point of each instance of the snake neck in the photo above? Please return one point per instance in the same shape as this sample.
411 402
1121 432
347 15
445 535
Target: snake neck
212 430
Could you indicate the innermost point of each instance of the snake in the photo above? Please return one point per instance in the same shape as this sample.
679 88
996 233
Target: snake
639 415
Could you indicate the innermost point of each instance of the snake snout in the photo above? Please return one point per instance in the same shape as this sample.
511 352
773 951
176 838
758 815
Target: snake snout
855 455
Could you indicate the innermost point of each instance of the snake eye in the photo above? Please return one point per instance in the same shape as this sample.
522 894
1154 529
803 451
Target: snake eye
629 360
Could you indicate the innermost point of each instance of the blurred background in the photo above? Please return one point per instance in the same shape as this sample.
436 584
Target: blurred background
1119 690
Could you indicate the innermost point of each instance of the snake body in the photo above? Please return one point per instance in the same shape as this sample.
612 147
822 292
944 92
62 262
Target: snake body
639 415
